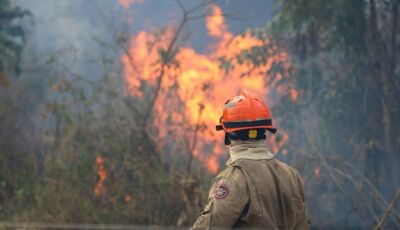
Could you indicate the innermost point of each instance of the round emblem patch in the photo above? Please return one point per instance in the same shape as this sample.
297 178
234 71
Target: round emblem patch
221 191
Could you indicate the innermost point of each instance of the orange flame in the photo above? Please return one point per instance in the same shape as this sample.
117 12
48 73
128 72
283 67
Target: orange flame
194 86
215 23
294 94
99 189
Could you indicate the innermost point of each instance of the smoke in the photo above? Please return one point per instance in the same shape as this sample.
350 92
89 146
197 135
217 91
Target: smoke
58 23
72 24
66 34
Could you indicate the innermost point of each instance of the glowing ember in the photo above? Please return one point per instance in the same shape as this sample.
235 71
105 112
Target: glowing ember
294 94
317 172
127 198
127 3
194 86
101 175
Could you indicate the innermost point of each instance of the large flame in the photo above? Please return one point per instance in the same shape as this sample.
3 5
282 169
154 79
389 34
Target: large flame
194 86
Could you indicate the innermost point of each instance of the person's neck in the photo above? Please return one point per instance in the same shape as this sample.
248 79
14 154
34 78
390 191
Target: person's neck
254 150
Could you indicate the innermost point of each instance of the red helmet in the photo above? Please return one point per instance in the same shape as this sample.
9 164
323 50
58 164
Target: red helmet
245 112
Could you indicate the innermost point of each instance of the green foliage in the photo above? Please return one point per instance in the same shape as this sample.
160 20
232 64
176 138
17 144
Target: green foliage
18 163
138 188
322 25
12 36
345 66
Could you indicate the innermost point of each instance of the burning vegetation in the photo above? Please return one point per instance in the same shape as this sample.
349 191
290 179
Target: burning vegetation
191 86
99 189
119 128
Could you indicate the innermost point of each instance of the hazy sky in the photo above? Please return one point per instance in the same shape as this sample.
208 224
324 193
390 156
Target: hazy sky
66 28
74 22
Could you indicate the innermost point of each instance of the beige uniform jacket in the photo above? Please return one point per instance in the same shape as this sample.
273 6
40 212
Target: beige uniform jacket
249 193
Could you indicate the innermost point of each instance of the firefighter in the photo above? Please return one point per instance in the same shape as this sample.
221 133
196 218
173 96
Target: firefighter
255 190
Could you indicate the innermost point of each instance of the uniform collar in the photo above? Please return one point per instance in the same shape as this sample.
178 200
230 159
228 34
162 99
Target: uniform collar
253 150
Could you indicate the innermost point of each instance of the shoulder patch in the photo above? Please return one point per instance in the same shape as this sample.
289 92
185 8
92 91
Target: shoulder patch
221 191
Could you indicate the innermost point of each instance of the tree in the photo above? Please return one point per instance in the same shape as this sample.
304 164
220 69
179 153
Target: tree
12 39
12 36
346 69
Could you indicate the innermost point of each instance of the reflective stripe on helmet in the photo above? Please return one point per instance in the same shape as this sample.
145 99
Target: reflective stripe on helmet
239 124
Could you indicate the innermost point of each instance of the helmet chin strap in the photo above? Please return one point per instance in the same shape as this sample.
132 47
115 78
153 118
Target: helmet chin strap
227 140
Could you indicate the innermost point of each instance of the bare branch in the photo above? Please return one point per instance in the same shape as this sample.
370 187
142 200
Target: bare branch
194 142
181 6
168 53
392 204
162 72
204 4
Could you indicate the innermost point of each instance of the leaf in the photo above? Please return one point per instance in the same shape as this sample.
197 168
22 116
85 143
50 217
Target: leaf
225 64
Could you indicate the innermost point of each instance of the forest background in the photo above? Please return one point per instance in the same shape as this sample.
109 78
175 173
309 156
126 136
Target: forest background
108 108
